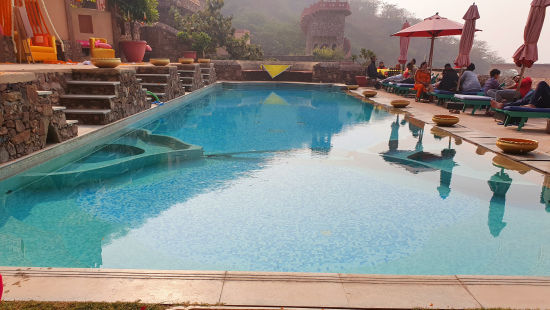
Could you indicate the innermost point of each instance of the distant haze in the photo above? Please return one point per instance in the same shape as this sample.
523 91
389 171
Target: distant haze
502 21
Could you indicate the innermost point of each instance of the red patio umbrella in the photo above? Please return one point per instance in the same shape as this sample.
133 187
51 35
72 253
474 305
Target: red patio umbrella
467 39
528 54
404 45
432 27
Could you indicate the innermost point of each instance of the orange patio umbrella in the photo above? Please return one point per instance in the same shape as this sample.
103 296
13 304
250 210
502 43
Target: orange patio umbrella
432 27
404 45
467 38
528 54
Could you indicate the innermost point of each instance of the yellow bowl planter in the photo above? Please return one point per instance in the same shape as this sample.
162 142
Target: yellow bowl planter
186 61
400 103
106 62
370 93
445 120
352 87
203 61
160 62
517 146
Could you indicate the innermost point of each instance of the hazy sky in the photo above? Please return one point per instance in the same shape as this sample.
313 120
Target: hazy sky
502 21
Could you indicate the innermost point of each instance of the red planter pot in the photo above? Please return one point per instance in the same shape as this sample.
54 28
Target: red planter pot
133 50
190 54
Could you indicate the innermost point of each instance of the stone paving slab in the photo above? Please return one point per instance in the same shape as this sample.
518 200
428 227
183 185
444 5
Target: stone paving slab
236 290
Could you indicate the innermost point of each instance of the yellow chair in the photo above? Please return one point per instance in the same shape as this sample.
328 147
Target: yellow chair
97 52
46 51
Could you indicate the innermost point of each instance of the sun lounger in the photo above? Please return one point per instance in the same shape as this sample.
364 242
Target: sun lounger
443 96
522 114
474 101
403 89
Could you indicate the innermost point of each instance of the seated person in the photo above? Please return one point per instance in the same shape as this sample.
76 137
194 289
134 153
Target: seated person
381 65
449 81
537 99
469 82
372 71
511 94
492 85
422 81
408 75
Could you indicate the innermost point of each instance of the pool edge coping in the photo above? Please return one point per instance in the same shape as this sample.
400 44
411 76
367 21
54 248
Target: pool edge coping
226 288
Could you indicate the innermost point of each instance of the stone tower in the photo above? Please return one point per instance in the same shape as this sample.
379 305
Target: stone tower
324 24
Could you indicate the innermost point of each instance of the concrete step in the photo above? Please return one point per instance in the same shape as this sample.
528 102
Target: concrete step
160 95
58 108
155 87
44 93
187 78
186 71
154 78
92 87
89 116
73 101
72 122
98 83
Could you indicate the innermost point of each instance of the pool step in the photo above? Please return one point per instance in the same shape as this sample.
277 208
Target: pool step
90 116
154 78
73 101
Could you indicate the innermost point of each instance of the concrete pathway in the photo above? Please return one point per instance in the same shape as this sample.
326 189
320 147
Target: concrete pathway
276 289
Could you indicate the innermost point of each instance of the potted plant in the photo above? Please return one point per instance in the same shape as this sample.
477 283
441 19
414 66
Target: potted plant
201 43
135 12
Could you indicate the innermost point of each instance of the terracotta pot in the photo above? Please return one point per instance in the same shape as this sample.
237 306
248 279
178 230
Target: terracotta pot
133 50
190 54
353 87
370 93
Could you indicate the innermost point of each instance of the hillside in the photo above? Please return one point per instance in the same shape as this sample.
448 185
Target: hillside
275 26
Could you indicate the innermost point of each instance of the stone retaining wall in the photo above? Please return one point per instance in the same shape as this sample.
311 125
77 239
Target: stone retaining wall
24 120
7 51
174 87
228 70
164 41
334 72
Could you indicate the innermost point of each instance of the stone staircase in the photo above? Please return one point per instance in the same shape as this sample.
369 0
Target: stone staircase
59 129
102 96
190 76
208 73
164 82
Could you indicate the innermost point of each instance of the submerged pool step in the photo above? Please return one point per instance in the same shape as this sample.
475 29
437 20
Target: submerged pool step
73 101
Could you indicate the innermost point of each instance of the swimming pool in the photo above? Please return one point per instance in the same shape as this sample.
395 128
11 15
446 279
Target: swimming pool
289 178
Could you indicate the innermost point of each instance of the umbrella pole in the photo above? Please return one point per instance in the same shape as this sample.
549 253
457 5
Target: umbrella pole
431 54
521 77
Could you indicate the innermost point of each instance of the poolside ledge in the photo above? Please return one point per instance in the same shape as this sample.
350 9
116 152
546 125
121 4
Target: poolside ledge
253 289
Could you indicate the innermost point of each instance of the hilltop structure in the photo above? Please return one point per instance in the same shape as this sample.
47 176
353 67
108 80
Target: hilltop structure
324 24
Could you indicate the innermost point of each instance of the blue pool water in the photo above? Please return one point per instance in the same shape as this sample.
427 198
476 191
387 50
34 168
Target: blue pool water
294 178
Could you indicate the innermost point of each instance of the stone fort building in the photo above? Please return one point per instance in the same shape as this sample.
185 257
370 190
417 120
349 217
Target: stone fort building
324 25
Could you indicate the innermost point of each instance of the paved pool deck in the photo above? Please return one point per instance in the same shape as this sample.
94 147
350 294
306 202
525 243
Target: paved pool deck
253 289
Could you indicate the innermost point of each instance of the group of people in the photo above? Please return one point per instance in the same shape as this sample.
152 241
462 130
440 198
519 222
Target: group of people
468 83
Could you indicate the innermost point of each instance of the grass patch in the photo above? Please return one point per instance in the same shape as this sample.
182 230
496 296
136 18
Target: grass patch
36 305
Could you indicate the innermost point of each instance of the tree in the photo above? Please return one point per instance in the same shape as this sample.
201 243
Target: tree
327 54
217 27
240 49
201 42
141 11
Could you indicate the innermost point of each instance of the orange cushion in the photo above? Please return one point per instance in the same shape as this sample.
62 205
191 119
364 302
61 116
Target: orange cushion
41 40
42 49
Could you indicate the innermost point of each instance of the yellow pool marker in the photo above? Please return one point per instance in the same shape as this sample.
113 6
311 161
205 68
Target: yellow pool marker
275 70
275 99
